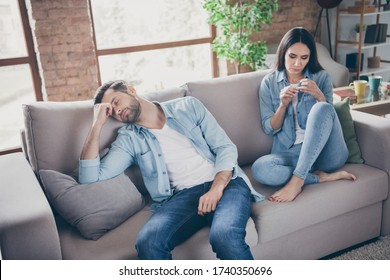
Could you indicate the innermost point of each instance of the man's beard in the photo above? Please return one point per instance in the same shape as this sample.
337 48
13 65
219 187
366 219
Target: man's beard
134 111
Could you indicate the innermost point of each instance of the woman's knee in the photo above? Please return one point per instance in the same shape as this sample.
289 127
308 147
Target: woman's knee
322 108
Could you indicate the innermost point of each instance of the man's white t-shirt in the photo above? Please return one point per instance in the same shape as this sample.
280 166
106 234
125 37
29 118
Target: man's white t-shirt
186 167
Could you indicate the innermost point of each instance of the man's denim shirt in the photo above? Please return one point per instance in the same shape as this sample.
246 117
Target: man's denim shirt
269 95
137 145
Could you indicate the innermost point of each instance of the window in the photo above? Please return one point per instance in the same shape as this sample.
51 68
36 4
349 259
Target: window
18 72
154 44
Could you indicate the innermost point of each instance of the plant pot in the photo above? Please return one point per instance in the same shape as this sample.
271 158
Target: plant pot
358 37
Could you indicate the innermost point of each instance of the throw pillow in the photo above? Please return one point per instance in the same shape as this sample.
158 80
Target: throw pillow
94 208
344 115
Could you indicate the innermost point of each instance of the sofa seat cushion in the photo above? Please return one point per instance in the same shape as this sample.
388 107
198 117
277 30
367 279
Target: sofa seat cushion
118 244
323 201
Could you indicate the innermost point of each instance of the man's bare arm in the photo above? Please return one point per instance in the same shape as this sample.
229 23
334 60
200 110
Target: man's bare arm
92 142
208 202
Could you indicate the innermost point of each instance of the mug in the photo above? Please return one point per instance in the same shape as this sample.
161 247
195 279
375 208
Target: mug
374 82
360 88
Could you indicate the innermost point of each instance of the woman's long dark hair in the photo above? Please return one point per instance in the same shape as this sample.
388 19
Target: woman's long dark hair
293 36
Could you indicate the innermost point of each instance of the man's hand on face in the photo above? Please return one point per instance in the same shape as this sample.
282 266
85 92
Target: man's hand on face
101 112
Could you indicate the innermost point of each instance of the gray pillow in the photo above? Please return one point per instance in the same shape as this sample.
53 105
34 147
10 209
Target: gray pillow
95 208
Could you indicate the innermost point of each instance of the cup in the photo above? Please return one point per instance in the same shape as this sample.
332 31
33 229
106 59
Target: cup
360 88
374 82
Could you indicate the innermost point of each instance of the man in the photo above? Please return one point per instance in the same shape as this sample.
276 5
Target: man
189 167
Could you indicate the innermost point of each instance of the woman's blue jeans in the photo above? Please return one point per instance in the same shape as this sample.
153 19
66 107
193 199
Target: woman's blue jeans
323 149
177 219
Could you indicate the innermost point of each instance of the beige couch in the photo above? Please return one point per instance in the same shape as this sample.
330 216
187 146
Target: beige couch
325 218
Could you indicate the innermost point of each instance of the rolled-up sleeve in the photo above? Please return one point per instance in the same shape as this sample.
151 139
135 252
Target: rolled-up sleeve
89 170
266 108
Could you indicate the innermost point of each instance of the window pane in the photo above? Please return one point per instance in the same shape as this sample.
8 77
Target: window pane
123 23
16 89
12 42
158 69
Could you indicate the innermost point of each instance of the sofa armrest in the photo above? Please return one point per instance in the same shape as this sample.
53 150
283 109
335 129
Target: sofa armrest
338 72
27 226
373 134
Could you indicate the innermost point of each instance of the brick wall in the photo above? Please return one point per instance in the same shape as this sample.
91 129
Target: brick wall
291 14
66 55
66 52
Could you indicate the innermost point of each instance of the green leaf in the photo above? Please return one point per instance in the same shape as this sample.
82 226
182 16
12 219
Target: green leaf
236 21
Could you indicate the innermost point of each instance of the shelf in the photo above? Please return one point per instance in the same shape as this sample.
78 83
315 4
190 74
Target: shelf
385 67
358 46
354 44
345 13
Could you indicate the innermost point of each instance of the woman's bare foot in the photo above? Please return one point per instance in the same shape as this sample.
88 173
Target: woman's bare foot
289 192
294 187
338 175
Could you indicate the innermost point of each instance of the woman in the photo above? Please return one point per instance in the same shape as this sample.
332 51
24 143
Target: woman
296 109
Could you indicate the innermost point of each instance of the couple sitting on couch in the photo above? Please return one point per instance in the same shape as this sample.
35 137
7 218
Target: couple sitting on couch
189 164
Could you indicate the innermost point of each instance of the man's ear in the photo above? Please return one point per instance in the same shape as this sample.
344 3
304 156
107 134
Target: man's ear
131 90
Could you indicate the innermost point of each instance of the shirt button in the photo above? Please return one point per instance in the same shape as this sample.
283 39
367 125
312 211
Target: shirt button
164 172
159 155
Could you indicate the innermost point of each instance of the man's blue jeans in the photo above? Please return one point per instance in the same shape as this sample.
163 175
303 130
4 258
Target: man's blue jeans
323 149
177 219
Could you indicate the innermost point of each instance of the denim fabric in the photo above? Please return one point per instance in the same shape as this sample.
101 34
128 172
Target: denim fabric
137 145
177 219
269 95
323 149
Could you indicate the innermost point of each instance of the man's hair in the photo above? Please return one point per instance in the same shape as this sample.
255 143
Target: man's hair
117 85
293 36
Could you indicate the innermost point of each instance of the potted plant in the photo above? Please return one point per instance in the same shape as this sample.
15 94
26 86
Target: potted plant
236 20
358 31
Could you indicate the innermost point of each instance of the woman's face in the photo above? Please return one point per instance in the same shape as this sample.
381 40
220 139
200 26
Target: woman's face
296 58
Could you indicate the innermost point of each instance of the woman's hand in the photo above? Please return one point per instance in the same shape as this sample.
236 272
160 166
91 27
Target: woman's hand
310 87
287 94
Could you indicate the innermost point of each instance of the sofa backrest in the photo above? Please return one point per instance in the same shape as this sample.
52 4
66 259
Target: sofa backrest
55 131
234 102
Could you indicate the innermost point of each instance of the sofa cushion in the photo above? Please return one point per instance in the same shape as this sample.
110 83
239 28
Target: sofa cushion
93 208
234 102
344 115
318 202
